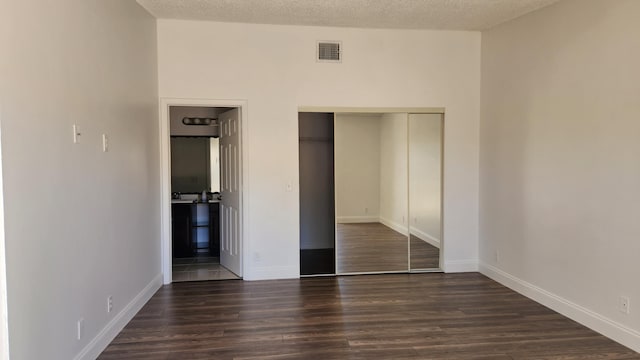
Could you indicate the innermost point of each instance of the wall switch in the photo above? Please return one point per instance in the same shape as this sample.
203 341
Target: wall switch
109 303
625 303
289 187
105 143
76 134
80 328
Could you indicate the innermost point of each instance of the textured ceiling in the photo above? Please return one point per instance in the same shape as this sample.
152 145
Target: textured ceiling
388 14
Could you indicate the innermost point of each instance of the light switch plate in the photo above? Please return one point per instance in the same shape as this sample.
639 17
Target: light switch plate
76 133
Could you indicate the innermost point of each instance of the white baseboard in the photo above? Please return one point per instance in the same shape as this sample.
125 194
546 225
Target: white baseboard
458 266
599 323
356 219
272 273
425 237
402 229
113 328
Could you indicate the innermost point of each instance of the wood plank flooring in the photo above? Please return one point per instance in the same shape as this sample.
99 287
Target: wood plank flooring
394 316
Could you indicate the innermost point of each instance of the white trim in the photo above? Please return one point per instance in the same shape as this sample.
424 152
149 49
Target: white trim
599 323
458 266
113 327
165 175
273 273
368 110
402 229
425 237
357 219
373 272
4 313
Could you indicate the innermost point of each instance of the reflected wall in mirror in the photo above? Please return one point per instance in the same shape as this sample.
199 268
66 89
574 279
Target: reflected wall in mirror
371 192
425 190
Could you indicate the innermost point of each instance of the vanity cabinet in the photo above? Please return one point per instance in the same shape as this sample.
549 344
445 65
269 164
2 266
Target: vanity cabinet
181 220
191 223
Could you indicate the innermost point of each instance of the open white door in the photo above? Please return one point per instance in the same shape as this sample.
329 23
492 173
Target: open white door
230 187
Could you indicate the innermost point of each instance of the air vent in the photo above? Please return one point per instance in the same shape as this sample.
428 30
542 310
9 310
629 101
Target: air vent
329 51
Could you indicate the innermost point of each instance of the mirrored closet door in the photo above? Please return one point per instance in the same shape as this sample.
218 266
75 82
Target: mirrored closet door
371 193
370 183
425 190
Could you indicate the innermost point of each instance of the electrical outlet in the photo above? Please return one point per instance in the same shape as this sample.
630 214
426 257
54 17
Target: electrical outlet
109 303
105 143
625 304
403 220
366 210
80 328
497 256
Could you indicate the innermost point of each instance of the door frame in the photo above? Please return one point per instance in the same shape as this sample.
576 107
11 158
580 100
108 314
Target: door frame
165 176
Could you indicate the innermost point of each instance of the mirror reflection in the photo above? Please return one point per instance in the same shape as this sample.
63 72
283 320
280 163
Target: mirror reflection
195 164
371 189
425 175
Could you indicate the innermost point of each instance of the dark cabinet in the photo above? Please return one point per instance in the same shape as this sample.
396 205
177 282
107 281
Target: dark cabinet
214 229
181 221
195 229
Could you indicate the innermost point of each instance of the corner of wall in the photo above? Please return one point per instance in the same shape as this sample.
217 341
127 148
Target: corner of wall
599 323
4 319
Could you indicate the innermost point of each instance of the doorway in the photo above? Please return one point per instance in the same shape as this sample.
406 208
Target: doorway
203 187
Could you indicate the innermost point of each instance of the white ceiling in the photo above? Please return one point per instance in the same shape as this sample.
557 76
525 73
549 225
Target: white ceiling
388 14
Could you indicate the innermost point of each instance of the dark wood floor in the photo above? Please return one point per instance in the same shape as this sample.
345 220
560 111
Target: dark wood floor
370 247
423 254
394 316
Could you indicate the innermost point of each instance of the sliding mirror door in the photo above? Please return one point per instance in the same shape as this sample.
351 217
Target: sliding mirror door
371 188
425 190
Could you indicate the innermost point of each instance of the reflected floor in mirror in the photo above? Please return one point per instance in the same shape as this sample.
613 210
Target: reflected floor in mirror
370 247
423 254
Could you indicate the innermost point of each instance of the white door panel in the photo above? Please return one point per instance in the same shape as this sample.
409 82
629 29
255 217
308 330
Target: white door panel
230 222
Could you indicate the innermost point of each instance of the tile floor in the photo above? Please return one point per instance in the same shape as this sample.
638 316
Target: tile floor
200 269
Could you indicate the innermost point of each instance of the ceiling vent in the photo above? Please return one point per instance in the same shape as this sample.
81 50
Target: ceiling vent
329 51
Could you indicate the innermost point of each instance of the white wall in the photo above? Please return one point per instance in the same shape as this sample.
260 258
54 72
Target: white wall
274 69
4 321
5 23
80 224
559 159
357 167
393 172
425 176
